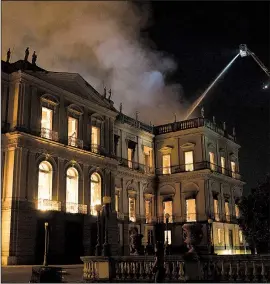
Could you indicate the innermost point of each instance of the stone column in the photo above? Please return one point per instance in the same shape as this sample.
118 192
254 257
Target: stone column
61 182
35 120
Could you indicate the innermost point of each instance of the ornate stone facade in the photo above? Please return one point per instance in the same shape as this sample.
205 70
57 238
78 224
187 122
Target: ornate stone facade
127 156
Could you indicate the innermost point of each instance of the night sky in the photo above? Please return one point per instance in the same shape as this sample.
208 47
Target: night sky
203 37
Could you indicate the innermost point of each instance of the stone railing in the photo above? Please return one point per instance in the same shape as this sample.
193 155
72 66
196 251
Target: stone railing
49 134
209 268
48 205
76 208
197 167
75 142
189 124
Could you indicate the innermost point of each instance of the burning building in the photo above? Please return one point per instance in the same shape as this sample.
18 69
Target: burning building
66 149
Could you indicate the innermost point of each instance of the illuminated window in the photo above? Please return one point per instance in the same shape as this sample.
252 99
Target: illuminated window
166 164
233 169
222 160
116 202
167 209
237 212
95 138
212 160
150 237
191 210
227 211
132 209
72 130
168 237
46 123
219 236
148 159
44 184
72 186
189 166
95 198
216 209
240 237
130 157
148 213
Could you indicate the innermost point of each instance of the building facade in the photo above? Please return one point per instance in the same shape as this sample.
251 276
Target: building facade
65 147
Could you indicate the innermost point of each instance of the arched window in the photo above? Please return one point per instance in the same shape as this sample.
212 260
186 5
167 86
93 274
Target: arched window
72 185
44 184
95 198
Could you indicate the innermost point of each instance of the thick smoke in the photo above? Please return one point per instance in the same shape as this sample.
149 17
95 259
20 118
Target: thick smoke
100 41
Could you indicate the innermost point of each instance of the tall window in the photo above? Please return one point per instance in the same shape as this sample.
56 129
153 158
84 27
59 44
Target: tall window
148 211
212 160
72 130
227 211
46 123
166 164
44 184
191 210
168 237
148 159
222 160
116 202
95 138
130 157
95 198
240 237
237 211
219 236
216 209
233 169
72 186
132 209
167 209
189 166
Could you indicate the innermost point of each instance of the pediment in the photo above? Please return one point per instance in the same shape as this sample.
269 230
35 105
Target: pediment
188 145
167 148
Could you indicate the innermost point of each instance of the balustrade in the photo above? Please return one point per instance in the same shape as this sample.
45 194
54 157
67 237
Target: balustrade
48 205
75 142
49 134
76 208
227 269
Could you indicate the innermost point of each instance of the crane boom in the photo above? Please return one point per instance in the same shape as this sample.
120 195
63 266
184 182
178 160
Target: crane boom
259 62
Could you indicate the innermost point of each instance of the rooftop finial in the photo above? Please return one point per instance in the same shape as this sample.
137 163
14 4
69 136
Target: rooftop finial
214 119
137 115
8 55
224 125
26 54
121 107
202 112
175 117
110 94
105 92
34 58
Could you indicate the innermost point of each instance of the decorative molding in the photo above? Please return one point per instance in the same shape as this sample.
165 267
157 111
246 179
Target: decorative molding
74 109
188 145
166 149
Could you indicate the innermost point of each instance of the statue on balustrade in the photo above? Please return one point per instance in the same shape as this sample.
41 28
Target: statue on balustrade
192 234
135 245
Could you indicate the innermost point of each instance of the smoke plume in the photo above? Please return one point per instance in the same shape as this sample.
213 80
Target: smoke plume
100 41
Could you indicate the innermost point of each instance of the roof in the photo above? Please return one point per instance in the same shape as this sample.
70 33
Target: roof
71 82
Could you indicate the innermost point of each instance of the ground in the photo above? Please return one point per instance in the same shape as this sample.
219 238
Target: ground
22 273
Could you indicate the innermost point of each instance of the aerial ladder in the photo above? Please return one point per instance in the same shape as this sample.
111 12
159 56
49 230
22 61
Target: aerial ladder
243 52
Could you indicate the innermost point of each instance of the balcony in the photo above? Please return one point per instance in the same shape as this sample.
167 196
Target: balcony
197 167
49 134
75 142
189 124
98 149
76 208
48 205
131 165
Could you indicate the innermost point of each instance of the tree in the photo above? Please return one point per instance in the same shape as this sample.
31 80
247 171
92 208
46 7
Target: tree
255 217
